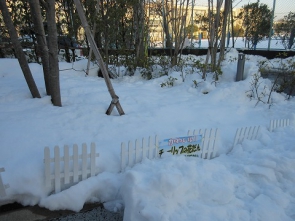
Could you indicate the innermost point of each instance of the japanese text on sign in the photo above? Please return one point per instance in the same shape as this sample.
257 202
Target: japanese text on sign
189 145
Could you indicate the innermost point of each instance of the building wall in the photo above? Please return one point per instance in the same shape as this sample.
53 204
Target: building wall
155 22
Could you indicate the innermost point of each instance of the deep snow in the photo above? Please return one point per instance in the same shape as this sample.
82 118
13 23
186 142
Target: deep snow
254 181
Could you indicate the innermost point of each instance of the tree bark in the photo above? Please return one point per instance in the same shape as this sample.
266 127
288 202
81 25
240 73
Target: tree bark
19 50
168 42
223 32
42 47
53 49
138 13
216 36
210 38
178 28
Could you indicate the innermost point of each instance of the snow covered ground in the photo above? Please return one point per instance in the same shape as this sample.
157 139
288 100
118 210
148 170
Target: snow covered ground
253 181
275 43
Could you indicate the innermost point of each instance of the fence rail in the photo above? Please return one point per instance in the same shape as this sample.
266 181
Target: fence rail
62 171
147 148
2 185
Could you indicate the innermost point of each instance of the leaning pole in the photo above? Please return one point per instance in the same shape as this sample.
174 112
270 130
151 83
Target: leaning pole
115 98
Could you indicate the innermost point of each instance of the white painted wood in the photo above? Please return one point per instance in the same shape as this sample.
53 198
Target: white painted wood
150 143
69 169
237 136
84 161
209 143
123 156
156 145
214 143
249 133
138 152
271 128
141 150
57 169
212 137
66 164
2 185
93 156
278 123
130 154
206 144
144 148
75 164
150 149
255 132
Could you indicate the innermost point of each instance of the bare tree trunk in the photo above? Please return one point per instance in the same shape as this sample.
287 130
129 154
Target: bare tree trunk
179 20
210 39
232 24
216 35
213 36
104 10
223 32
168 42
138 13
42 48
53 59
19 50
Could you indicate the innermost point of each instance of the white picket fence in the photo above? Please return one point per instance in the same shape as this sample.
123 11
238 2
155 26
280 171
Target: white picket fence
2 185
209 145
146 148
64 171
249 133
278 123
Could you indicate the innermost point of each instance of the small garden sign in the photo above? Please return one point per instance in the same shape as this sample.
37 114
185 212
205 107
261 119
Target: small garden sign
188 146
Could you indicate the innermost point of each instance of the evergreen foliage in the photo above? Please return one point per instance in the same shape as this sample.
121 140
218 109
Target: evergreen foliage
285 30
256 22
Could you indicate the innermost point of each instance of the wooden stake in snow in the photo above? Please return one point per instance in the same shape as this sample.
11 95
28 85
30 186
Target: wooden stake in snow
115 98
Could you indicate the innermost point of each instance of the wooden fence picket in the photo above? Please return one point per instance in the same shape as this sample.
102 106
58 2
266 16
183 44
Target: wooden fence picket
93 156
153 148
84 161
57 160
211 152
144 148
2 185
137 152
75 164
66 164
130 154
209 143
62 171
205 154
278 123
123 156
